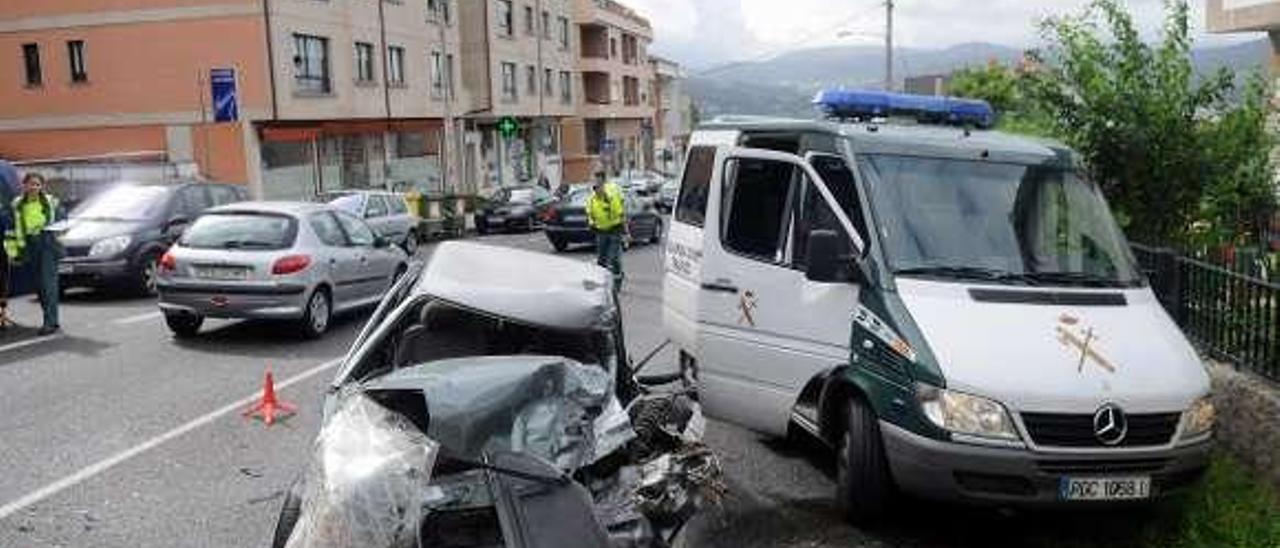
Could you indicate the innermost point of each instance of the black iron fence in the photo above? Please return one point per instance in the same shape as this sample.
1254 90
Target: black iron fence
1231 316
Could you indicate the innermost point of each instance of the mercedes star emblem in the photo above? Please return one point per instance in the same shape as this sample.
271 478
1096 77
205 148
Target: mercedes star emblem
1110 424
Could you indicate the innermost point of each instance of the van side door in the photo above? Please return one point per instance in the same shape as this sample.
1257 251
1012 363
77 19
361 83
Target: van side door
765 330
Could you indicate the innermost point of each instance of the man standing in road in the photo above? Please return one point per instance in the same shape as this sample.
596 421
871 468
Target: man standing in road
29 240
607 218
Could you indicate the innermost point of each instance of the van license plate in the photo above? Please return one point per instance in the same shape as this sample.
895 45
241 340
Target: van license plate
1126 488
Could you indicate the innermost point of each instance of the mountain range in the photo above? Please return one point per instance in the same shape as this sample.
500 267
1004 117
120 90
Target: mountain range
784 85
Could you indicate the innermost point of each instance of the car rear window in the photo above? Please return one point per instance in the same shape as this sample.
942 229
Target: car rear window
263 231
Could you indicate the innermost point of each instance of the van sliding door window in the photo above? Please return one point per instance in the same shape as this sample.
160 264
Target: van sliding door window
691 208
754 207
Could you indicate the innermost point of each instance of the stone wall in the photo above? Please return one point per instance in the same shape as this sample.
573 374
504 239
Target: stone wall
1248 419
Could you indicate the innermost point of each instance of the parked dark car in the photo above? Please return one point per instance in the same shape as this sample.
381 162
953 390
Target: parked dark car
666 200
114 239
567 221
514 208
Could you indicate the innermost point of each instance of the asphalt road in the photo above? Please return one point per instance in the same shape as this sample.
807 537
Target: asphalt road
115 434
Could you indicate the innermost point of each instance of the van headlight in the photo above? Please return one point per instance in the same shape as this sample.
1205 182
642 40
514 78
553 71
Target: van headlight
110 247
967 414
1199 418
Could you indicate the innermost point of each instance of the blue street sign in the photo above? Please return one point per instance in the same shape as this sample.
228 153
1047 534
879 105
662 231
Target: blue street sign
226 106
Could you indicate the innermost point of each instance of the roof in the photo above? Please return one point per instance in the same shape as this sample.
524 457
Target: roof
912 139
292 208
524 286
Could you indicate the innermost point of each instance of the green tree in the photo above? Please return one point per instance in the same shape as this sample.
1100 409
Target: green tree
993 82
1166 146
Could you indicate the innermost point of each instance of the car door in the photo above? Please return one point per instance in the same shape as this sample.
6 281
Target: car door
338 256
764 329
372 266
375 216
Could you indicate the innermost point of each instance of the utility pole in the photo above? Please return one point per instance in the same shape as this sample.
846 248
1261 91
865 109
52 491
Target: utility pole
888 45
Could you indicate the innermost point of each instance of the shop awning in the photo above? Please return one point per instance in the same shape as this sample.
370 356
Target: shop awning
310 131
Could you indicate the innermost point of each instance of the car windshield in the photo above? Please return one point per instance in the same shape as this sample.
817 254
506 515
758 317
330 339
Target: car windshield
124 203
996 221
347 202
255 231
579 197
516 196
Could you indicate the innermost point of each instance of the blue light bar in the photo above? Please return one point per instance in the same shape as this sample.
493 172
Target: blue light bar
868 104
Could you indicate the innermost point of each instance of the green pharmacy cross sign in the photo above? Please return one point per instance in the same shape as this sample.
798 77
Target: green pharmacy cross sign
508 127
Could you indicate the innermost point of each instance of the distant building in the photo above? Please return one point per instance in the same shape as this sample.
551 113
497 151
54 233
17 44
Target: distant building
673 122
930 84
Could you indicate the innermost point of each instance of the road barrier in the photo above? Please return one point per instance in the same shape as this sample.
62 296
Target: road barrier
1232 317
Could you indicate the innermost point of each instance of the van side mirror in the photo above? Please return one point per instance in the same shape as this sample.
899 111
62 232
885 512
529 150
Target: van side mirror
823 262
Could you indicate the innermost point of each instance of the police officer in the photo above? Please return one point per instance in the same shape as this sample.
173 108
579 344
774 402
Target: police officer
33 212
607 217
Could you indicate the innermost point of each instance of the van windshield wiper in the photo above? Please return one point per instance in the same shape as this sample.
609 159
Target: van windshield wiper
1085 279
968 273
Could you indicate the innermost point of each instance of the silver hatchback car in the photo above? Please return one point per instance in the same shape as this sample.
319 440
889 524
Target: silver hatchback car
280 261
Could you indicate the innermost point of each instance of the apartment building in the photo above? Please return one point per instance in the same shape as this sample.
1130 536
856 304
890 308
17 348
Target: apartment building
518 64
673 120
328 94
613 129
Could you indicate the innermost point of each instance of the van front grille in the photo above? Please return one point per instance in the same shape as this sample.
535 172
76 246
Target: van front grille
1063 430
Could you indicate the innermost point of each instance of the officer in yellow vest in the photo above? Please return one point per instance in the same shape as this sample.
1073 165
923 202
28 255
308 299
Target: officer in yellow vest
28 241
607 217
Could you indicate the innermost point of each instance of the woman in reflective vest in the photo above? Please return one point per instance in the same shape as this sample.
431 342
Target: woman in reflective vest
28 240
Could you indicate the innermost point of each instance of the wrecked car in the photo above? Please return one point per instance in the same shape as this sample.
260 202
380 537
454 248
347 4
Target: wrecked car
490 402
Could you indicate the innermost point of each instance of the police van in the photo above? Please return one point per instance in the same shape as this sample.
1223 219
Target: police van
954 310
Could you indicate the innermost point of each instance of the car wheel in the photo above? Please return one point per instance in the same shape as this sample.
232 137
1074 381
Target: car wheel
863 485
289 513
411 243
559 244
144 281
183 326
657 233
315 319
482 228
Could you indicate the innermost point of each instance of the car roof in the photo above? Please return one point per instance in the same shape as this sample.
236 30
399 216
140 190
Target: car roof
290 208
911 138
524 286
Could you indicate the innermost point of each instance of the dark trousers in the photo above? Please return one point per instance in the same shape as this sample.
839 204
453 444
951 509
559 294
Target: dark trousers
42 252
609 255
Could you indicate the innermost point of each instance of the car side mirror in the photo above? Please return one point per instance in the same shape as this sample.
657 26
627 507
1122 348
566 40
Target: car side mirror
823 262
381 242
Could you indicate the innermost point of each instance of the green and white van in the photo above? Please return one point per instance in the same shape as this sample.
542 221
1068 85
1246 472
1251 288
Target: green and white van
956 312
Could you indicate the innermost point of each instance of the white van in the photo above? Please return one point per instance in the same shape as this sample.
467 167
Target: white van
955 311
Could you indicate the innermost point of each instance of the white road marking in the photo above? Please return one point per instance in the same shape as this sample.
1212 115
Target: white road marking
103 465
29 342
155 314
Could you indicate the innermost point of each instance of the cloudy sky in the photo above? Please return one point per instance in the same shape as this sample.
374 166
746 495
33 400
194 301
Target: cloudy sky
701 33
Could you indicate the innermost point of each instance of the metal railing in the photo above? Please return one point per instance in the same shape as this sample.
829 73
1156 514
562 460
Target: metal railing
1230 316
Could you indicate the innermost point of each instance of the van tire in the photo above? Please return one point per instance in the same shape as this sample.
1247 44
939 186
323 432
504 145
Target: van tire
864 488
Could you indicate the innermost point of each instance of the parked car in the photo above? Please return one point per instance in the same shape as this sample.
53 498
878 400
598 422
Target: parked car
567 221
644 183
115 239
478 408
666 200
387 213
275 260
514 208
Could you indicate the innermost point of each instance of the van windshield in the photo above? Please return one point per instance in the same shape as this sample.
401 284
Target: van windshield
999 222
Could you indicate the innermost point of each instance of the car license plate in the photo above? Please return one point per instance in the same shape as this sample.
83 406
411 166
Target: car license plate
496 220
1118 488
64 268
222 273
574 218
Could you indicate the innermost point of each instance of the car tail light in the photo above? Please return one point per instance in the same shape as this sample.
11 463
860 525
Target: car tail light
290 264
550 215
168 263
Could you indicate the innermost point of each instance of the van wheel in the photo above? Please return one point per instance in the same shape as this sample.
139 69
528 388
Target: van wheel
315 319
183 326
863 485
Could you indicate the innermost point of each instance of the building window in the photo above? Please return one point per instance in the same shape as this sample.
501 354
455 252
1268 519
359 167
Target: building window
438 10
75 56
613 48
564 33
528 20
548 83
395 65
531 80
364 62
437 75
505 26
546 25
31 61
566 87
311 63
509 92
448 71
